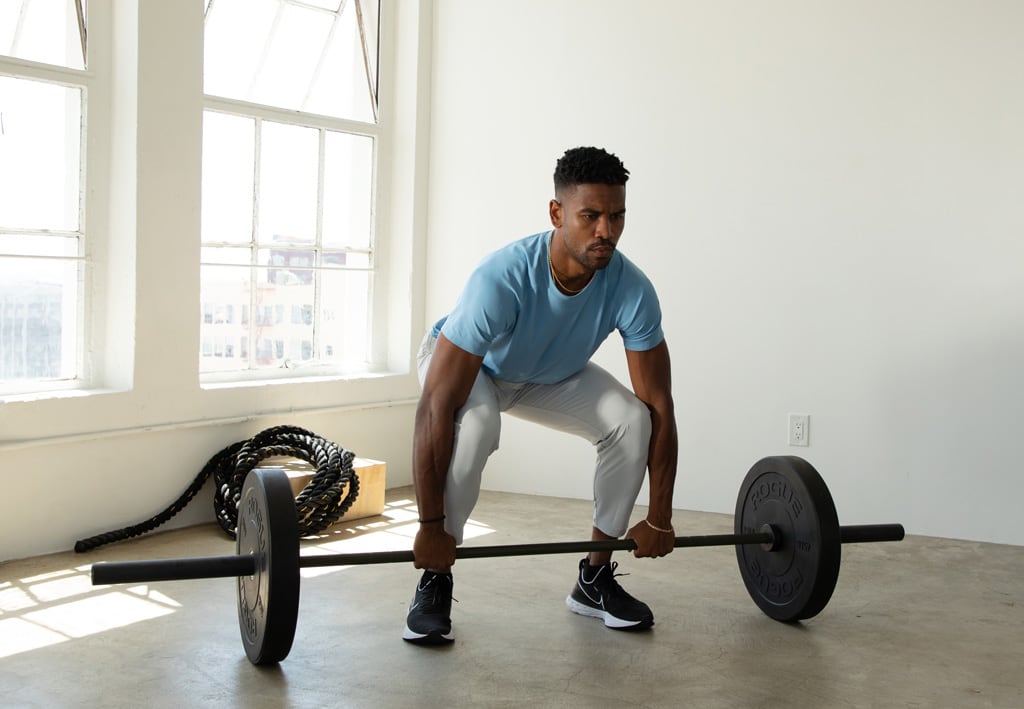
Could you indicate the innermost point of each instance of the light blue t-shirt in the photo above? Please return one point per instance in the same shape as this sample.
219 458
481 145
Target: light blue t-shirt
512 314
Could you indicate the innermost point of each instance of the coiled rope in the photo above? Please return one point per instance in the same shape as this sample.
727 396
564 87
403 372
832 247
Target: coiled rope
327 496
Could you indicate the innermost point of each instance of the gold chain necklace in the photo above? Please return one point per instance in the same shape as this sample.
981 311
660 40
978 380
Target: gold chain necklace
554 274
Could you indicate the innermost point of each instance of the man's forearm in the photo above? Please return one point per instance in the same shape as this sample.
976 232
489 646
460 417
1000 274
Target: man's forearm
432 451
661 464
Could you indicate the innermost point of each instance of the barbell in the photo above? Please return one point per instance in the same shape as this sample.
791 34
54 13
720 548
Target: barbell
787 538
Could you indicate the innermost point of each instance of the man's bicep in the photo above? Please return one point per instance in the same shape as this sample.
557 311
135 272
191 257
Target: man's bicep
451 374
650 372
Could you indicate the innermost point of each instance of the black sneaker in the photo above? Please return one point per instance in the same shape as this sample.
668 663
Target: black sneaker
599 595
430 614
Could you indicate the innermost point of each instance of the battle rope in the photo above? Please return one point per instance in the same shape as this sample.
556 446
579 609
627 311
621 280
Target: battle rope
319 505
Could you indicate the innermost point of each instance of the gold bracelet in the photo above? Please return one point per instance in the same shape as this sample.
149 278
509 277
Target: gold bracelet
659 529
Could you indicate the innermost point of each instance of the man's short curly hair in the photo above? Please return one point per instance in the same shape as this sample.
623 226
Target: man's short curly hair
588 166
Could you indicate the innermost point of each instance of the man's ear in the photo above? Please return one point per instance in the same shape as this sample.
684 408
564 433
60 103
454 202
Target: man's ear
555 212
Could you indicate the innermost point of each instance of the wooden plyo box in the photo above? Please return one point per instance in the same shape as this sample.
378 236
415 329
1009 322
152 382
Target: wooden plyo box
371 474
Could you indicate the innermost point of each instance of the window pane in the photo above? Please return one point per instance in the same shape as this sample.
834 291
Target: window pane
281 298
41 31
346 259
297 40
226 255
288 266
342 88
292 56
345 324
225 303
235 34
289 159
228 174
331 5
38 245
38 318
40 145
348 176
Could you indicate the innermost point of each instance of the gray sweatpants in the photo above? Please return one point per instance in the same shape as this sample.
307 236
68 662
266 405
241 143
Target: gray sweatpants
591 404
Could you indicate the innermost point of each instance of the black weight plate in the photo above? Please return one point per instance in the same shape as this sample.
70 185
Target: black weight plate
794 580
268 601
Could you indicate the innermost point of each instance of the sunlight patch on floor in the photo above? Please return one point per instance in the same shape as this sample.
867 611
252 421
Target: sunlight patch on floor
62 613
57 606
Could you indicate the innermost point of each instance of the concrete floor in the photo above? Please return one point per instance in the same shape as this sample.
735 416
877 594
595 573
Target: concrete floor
921 623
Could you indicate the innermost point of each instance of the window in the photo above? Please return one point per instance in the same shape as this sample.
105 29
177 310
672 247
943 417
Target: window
289 167
43 89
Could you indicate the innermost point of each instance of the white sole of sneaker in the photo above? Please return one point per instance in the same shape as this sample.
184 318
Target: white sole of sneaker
609 620
427 639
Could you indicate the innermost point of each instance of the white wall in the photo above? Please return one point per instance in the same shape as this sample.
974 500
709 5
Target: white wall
76 465
828 196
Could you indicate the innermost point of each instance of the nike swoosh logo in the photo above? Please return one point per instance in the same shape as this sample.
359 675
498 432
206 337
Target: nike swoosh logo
599 600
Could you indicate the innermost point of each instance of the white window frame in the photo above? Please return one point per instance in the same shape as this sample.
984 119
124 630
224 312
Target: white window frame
95 83
378 360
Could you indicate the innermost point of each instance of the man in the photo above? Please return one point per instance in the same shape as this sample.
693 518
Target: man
520 340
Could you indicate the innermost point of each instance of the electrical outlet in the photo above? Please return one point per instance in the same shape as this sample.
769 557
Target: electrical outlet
799 429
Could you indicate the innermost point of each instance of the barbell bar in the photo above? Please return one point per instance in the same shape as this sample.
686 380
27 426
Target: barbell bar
787 539
230 565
